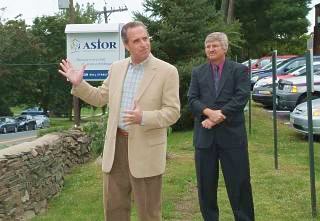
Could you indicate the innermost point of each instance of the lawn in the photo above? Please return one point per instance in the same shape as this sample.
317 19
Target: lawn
279 195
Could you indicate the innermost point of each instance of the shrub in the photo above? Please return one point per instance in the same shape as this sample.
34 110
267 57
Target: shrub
97 131
4 109
186 120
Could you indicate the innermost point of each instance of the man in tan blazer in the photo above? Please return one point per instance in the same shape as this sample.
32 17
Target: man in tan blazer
143 97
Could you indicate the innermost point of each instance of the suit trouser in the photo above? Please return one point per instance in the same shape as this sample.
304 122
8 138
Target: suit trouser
119 183
235 168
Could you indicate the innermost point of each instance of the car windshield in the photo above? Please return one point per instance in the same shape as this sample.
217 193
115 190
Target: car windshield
295 70
302 70
269 66
20 118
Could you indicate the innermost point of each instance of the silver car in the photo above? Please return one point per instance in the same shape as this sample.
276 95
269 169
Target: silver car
299 117
42 121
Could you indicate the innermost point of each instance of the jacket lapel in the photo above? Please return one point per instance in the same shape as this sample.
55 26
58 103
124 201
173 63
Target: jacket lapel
209 79
224 76
122 74
148 75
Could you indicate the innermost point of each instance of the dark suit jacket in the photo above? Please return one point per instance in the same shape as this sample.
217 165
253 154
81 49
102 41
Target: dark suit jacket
231 98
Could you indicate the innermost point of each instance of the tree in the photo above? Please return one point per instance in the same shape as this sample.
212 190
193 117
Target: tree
266 24
178 28
42 45
16 43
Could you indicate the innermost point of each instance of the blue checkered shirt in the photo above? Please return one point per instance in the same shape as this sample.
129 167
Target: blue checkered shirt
130 86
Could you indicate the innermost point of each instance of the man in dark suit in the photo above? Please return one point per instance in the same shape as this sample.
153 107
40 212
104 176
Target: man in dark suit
218 93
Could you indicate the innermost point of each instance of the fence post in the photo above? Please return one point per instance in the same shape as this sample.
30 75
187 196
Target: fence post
274 97
250 98
309 63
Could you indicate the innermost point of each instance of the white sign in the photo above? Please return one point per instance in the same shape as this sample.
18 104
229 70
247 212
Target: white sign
96 45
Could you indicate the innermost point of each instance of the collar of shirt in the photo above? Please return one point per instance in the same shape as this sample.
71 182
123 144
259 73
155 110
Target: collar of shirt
141 63
220 66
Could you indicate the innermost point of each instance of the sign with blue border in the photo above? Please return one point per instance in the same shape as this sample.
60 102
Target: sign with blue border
95 45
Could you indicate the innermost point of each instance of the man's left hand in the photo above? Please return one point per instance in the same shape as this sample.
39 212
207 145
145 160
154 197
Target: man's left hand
133 116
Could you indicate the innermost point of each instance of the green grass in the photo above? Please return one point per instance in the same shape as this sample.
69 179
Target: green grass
90 111
62 124
279 195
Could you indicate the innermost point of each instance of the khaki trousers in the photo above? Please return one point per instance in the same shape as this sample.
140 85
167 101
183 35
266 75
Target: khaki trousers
119 184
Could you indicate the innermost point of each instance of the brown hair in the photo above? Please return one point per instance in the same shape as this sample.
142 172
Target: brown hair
129 25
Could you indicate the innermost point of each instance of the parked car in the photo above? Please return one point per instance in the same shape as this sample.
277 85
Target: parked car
283 67
8 124
26 122
262 62
298 71
299 117
293 91
34 111
253 62
262 90
42 121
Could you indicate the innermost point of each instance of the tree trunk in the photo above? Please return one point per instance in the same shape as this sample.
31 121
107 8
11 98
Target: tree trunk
230 11
224 9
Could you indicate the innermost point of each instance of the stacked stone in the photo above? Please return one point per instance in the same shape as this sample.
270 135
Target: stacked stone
32 173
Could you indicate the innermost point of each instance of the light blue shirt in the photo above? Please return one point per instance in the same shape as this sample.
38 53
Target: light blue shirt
130 86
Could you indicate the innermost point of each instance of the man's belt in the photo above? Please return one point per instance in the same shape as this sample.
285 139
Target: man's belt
122 132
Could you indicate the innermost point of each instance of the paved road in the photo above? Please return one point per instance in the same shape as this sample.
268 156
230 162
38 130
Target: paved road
16 138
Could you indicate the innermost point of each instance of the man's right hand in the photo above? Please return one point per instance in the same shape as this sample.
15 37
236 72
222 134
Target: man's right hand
74 76
216 116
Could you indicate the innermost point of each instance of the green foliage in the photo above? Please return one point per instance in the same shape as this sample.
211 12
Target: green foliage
272 24
97 130
43 45
185 68
178 28
4 108
45 131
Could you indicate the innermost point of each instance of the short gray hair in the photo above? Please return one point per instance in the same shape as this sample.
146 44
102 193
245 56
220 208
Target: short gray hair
220 37
129 25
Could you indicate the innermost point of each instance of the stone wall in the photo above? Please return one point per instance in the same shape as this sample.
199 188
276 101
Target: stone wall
31 173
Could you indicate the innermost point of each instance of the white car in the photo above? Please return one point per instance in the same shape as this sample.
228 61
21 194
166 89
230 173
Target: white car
42 121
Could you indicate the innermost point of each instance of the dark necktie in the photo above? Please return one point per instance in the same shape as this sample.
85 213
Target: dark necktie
216 76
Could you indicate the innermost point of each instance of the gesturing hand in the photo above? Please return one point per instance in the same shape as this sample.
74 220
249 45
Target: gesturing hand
74 76
133 116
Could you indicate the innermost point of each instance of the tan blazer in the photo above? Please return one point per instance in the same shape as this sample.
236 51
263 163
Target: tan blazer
158 97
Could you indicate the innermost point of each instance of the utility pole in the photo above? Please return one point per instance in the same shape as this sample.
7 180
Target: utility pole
316 31
107 13
76 101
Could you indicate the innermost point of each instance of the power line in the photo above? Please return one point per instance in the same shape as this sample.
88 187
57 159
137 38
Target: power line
107 13
29 64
